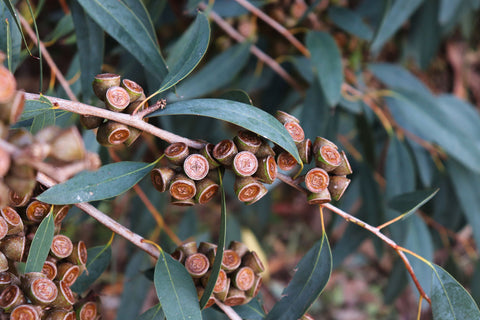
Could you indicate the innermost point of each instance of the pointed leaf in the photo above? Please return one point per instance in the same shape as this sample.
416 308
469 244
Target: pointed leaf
327 60
252 310
350 21
154 313
11 39
175 289
408 203
41 243
187 52
449 299
98 260
217 263
241 114
107 182
393 20
312 274
116 18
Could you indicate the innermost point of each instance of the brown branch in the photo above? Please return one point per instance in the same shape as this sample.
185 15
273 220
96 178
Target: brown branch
48 59
133 121
229 312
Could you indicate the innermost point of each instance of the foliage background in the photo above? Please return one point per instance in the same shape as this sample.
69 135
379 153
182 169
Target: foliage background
416 128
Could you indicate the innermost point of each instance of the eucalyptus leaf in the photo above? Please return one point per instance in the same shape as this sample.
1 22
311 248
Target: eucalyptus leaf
41 243
311 276
120 22
11 39
408 203
350 21
107 182
175 289
241 114
97 262
448 9
449 299
154 313
252 310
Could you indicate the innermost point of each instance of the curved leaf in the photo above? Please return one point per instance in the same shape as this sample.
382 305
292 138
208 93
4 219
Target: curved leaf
449 299
11 39
328 63
241 114
175 289
350 21
42 241
311 276
408 203
187 52
116 18
217 263
107 182
252 310
98 260
154 313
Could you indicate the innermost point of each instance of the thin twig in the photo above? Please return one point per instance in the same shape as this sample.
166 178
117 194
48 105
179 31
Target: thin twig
107 221
231 314
134 121
274 65
49 60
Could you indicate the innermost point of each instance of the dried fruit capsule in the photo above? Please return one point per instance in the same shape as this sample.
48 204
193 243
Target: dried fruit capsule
41 291
247 141
344 168
3 228
316 180
243 278
61 246
112 133
257 283
286 161
197 265
337 186
263 191
245 164
90 122
196 166
267 170
7 85
235 297
4 195
206 151
68 273
265 150
176 153
295 131
182 188
284 117
161 178
60 314
326 154
59 213
182 203
206 247
68 146
11 111
18 200
247 189
222 295
134 90
221 283
50 269
230 261
319 198
305 150
206 190
7 279
117 99
211 299
13 247
79 254
65 297
37 211
251 259
26 312
13 220
102 82
86 311
3 264
225 151
239 247
188 248
11 297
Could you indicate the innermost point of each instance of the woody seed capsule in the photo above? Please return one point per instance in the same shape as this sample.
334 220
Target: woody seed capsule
117 99
206 151
247 141
206 190
337 186
247 189
305 150
68 146
112 133
243 278
182 188
265 150
344 168
134 90
245 164
176 153
11 297
230 261
196 167
49 269
13 220
86 311
42 291
182 203
225 151
37 211
286 161
197 265
200 292
68 273
251 259
65 297
257 284
319 198
161 178
295 131
102 82
7 85
235 297
3 264
60 314
284 117
13 247
267 170
61 246
220 284
263 191
316 180
222 295
25 312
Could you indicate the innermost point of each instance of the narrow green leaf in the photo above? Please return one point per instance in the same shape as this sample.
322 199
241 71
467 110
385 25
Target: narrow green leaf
175 289
90 45
41 243
449 299
312 274
408 203
327 60
13 12
252 310
237 95
139 9
11 41
399 169
351 22
187 52
220 248
154 313
116 18
34 108
397 77
241 114
393 20
448 9
63 27
217 73
107 182
98 260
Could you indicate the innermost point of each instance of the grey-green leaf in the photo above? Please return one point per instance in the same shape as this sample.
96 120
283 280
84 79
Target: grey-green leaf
187 52
449 299
107 182
241 114
312 274
408 203
154 313
327 60
9 31
350 21
175 289
41 244
98 260
252 310
393 19
116 18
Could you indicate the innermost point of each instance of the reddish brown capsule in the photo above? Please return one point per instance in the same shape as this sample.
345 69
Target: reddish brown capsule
117 99
197 265
59 213
102 82
207 151
344 168
3 228
328 158
220 284
3 264
295 131
267 170
37 211
196 167
13 247
253 291
65 297
243 278
182 203
25 312
284 117
61 246
247 141
200 292
18 200
337 186
247 189
161 178
316 180
177 152
79 254
87 311
50 269
112 133
230 261
235 297
13 220
133 89
251 259
182 188
91 122
188 248
263 191
7 279
11 297
245 164
68 273
11 111
206 190
42 291
225 151
178 255
265 150
206 247
286 161
60 314
68 146
222 295
305 150
239 247
319 198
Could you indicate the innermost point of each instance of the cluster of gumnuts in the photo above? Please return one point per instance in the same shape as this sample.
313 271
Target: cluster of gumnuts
46 294
240 276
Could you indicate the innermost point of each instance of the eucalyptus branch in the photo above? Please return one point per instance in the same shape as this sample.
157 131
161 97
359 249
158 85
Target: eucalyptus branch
375 230
131 120
229 312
